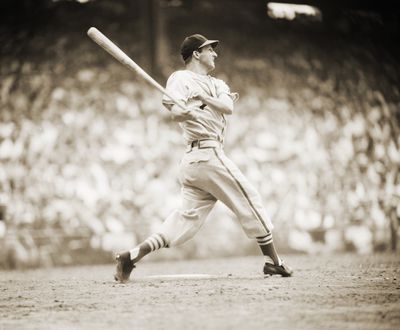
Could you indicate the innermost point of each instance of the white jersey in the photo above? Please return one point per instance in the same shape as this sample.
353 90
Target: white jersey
211 124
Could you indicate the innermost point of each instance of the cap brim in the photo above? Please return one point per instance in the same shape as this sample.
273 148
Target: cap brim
213 43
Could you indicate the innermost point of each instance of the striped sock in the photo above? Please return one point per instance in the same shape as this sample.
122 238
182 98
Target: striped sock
156 241
265 240
268 249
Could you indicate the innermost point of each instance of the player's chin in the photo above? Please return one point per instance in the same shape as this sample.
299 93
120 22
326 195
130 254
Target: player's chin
211 66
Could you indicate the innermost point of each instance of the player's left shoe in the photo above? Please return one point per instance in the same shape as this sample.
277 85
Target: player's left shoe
284 270
124 267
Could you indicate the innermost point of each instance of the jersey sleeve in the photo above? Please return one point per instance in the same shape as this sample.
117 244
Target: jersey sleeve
223 88
177 88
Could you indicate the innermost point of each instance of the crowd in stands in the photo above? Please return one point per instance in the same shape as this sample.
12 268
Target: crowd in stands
89 163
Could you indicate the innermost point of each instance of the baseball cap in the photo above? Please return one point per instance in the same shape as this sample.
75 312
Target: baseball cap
195 42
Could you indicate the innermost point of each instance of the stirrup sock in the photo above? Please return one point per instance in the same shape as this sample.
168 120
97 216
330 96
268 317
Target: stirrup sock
265 240
156 241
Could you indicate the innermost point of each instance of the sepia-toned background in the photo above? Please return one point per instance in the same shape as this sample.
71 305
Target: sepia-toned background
89 157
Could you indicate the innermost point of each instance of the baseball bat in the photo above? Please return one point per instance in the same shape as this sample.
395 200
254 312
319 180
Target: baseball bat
100 39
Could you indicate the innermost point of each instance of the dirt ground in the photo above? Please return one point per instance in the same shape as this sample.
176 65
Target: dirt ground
330 292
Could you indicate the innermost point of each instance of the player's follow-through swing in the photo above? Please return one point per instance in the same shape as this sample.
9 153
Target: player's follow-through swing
201 104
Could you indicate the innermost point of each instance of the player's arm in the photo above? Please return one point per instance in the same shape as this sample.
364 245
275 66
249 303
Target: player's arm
222 103
177 86
180 115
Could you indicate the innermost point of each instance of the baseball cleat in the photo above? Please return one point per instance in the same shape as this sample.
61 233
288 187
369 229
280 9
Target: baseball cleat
124 267
284 270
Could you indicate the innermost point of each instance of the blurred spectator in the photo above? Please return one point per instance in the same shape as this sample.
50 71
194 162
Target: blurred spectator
88 161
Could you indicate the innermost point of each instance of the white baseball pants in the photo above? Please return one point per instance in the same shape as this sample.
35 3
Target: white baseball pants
207 175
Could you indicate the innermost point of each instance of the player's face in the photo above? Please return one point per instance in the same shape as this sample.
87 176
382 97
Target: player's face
207 57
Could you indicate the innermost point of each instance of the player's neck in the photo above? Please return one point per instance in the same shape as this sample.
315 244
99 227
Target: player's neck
197 68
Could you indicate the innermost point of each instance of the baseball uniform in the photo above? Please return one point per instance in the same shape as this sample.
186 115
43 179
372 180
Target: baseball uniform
206 173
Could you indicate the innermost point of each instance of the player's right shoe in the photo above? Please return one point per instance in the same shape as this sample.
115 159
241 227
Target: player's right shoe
124 267
283 269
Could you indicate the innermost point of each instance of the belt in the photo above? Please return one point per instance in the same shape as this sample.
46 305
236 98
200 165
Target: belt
203 144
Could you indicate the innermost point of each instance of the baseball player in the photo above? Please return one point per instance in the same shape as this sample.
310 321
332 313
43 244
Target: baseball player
206 173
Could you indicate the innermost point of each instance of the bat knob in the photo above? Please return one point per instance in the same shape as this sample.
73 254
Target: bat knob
92 31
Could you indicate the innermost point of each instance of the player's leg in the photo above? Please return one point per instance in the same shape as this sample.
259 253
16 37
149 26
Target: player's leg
267 247
126 260
183 224
179 227
274 265
229 185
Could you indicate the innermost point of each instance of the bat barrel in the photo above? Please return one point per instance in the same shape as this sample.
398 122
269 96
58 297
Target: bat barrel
118 54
